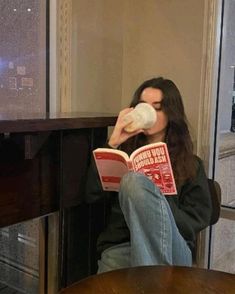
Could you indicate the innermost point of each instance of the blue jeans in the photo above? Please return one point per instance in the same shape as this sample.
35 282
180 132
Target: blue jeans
154 236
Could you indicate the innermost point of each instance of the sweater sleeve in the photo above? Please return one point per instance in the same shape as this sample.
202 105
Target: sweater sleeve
192 208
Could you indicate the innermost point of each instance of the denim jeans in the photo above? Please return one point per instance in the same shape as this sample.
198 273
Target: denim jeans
154 236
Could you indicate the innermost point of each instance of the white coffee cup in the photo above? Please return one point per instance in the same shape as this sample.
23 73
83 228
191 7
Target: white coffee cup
143 116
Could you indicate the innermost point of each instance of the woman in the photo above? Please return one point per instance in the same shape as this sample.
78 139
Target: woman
144 226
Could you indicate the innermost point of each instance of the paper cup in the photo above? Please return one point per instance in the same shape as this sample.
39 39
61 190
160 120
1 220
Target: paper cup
143 116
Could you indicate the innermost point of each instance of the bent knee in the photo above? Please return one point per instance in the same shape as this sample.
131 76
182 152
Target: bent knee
131 182
134 184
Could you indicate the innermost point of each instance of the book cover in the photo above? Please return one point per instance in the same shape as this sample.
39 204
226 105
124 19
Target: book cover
152 160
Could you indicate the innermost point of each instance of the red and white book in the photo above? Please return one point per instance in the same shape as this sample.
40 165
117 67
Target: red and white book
152 160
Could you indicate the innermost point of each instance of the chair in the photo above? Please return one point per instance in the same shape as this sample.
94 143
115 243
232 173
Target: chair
215 192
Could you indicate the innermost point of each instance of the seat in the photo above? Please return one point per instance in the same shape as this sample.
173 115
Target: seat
215 193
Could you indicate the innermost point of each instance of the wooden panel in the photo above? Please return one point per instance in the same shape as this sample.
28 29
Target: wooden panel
82 223
38 122
76 265
28 188
74 160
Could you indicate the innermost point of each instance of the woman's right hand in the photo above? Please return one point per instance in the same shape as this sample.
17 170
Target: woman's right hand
119 135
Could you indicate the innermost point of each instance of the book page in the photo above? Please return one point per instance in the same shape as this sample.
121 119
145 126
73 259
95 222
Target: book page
153 161
111 167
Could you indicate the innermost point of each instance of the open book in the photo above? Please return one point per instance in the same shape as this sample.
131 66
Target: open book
152 160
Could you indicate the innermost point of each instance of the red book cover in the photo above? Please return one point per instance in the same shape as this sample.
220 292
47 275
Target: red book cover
152 160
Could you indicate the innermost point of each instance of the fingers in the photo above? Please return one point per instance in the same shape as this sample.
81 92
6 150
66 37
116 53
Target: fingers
135 133
119 135
124 119
125 111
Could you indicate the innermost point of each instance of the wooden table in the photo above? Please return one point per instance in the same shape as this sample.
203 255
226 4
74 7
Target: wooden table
156 279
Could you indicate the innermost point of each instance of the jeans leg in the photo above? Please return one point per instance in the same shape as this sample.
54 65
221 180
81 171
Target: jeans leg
155 238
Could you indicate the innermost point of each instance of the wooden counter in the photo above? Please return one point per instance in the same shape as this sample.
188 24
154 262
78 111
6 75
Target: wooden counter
43 167
40 122
43 161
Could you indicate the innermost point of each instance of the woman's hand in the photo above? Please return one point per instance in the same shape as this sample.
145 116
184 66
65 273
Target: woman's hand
119 135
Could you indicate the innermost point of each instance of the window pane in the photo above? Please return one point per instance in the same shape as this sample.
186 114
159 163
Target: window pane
22 56
223 253
19 257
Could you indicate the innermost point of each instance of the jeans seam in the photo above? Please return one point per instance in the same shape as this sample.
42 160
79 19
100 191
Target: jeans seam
163 231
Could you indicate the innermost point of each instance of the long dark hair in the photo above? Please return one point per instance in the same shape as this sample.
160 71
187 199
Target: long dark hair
178 138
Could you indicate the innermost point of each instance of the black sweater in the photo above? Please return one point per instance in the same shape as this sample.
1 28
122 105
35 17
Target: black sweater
191 208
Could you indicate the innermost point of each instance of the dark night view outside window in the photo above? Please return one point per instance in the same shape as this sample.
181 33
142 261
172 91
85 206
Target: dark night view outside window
23 56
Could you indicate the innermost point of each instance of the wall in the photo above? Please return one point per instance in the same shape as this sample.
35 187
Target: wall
117 45
164 38
97 55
